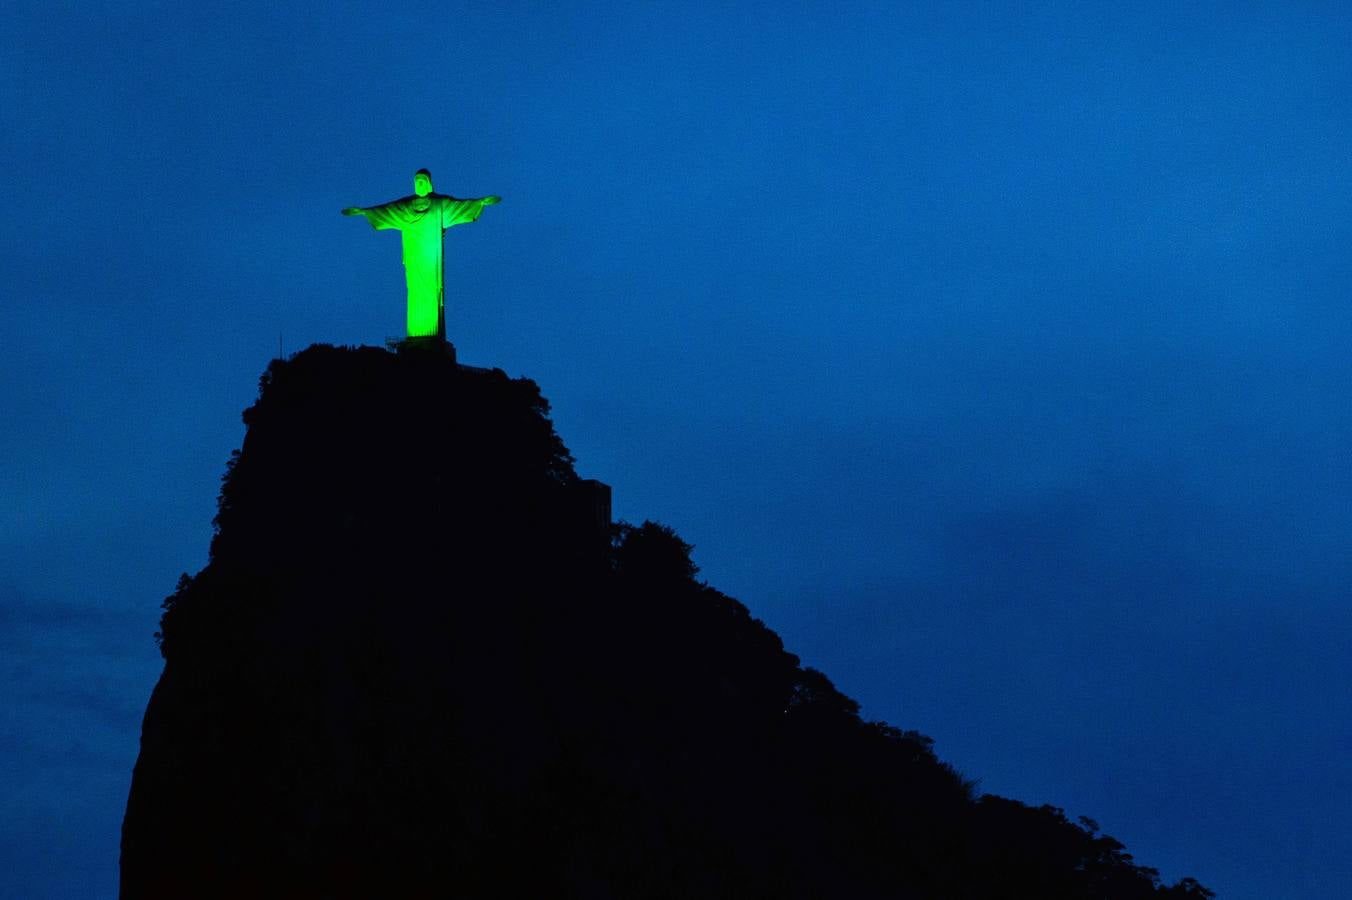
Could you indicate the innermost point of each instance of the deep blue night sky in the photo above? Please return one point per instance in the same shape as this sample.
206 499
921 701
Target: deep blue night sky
996 355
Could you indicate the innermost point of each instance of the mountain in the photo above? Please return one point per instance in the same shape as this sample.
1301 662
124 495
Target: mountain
422 662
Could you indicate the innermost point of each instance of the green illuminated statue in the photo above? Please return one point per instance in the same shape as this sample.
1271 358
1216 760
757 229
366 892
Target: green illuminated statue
423 218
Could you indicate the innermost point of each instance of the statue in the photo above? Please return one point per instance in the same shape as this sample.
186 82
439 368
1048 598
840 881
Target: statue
422 218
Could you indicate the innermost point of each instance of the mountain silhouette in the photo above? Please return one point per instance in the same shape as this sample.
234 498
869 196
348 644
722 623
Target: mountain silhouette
422 662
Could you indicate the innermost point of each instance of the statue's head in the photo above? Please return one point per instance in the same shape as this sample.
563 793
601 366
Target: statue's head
422 182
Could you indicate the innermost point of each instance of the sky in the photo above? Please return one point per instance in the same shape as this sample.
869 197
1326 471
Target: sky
994 354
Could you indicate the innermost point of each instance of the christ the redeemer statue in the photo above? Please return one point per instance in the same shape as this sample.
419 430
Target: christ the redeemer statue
422 218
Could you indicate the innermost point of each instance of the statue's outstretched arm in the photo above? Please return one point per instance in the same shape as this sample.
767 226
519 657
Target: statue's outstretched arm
457 212
382 215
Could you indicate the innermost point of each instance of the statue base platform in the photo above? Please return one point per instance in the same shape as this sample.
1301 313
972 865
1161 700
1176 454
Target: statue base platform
433 344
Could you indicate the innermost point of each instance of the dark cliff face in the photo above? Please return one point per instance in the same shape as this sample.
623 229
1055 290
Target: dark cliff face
416 666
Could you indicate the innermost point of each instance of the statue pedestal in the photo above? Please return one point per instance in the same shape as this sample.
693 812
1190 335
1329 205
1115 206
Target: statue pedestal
433 344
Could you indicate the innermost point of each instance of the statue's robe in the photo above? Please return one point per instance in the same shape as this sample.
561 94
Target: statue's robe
422 221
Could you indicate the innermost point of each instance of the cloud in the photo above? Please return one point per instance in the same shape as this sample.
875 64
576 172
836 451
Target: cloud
76 677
